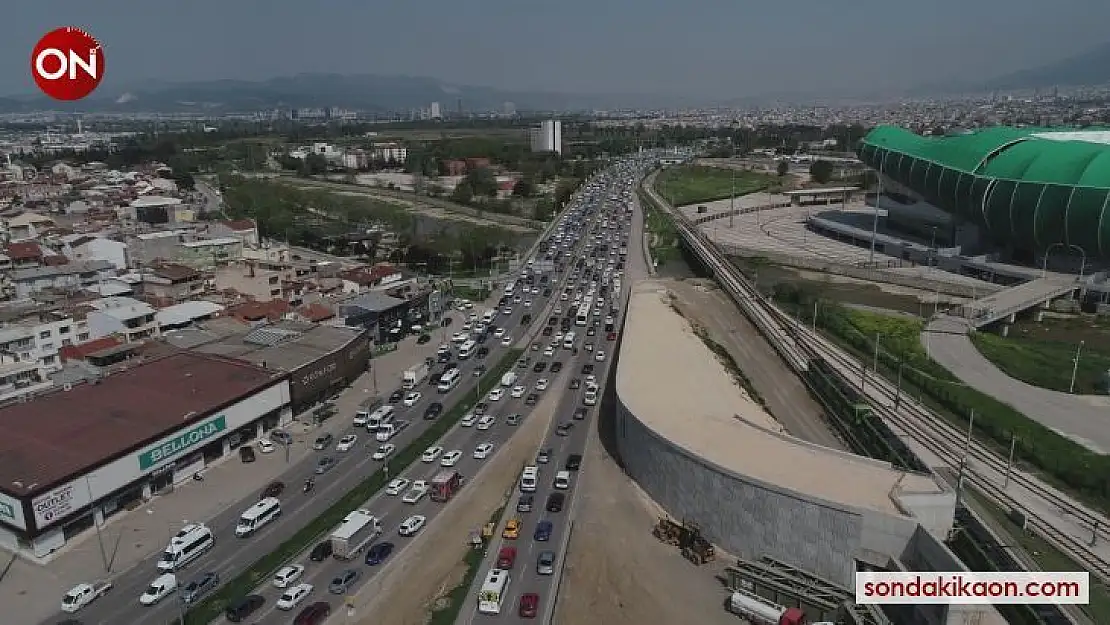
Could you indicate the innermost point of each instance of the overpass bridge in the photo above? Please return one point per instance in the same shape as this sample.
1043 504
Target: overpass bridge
1005 305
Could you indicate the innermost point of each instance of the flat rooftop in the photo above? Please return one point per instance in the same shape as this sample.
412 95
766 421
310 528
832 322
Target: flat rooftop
63 434
677 387
285 346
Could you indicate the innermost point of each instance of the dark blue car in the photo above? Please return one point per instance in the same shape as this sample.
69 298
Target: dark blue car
378 553
543 531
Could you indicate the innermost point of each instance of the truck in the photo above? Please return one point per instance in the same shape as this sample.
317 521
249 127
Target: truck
509 379
359 529
759 611
414 376
365 409
83 594
445 484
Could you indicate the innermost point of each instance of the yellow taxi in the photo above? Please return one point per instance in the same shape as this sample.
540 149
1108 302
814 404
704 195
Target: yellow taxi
512 529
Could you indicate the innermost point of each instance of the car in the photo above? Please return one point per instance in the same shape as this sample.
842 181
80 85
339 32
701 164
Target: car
547 331
524 504
199 587
246 454
323 442
496 394
539 367
273 489
599 355
544 456
325 464
314 614
587 369
563 429
419 489
430 454
506 341
579 413
460 337
422 339
468 420
450 458
411 398
556 367
588 347
545 563
486 422
514 419
532 399
266 446
548 351
384 451
543 531
377 553
433 410
396 486
499 332
529 605
293 597
517 392
347 442
541 384
287 575
555 502
612 336
575 383
527 303
342 582
512 529
412 525
396 396
591 331
321 552
483 451
574 462
481 408
241 609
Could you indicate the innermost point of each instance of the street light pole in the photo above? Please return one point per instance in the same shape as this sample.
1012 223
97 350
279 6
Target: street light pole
732 200
1075 366
875 221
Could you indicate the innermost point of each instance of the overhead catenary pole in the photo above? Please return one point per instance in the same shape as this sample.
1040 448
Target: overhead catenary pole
963 460
1009 461
1075 366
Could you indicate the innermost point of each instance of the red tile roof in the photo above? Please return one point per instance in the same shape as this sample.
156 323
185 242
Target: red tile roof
257 311
80 352
54 260
24 251
66 433
316 312
239 225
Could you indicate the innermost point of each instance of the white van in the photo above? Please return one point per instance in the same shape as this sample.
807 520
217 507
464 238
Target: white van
258 515
365 409
562 480
381 416
590 396
529 478
185 547
161 586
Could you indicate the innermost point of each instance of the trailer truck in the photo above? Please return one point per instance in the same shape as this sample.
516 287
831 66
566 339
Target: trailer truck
759 611
414 375
358 530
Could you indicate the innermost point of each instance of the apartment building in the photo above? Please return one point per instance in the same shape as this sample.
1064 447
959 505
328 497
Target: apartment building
172 282
68 277
83 247
24 226
125 317
21 377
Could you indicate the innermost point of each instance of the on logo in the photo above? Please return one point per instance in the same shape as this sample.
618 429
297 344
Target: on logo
67 64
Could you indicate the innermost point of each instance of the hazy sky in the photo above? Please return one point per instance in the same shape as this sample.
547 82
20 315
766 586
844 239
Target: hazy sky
705 48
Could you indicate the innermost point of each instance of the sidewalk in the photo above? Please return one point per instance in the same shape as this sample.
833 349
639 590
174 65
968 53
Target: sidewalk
31 592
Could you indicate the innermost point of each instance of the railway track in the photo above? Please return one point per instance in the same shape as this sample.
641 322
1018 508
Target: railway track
983 466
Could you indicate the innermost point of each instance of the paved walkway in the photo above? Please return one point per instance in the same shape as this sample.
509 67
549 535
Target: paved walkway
31 592
1084 419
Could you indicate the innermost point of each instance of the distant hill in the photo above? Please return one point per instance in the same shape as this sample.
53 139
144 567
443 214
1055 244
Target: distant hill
362 92
1089 68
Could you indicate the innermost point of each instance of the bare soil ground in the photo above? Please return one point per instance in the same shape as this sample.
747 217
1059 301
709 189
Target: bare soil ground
617 573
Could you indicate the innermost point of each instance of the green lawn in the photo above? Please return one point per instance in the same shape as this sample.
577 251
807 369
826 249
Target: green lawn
690 184
1045 363
662 234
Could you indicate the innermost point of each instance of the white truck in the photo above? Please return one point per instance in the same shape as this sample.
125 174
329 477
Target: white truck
358 530
83 594
509 379
414 376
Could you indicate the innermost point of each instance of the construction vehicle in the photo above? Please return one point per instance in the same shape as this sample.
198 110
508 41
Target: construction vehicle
667 531
687 537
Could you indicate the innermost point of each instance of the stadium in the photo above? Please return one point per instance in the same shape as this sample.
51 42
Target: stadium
1027 191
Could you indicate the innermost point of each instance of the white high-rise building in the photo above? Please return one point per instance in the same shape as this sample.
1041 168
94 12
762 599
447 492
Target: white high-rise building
435 112
548 137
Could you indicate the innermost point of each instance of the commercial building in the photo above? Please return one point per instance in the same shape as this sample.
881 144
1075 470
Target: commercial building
548 137
1028 190
382 314
76 456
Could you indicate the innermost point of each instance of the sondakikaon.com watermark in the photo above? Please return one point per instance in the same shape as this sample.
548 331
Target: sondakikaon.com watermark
973 588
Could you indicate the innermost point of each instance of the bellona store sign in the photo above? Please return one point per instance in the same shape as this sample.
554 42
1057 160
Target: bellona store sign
181 443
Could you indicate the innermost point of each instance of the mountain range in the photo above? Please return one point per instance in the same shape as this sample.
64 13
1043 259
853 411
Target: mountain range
1088 68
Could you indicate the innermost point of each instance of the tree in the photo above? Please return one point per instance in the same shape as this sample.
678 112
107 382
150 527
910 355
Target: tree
783 168
821 171
463 193
482 182
524 188
184 180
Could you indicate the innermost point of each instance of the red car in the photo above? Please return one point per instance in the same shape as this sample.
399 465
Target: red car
529 605
314 614
612 336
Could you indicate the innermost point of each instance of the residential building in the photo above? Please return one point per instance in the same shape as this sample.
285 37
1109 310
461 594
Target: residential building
435 112
39 335
548 137
149 247
210 252
172 282
261 280
81 247
186 313
361 279
390 152
25 226
152 209
24 254
70 277
125 317
246 230
356 159
21 377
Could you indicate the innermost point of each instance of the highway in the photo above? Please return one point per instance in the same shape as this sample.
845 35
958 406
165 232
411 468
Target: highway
1056 516
231 555
524 576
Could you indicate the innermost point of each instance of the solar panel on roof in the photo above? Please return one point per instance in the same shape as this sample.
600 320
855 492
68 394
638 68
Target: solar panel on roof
269 336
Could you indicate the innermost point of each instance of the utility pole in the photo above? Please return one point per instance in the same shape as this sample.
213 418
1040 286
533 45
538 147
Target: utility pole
898 386
732 200
963 460
1075 366
1009 461
875 221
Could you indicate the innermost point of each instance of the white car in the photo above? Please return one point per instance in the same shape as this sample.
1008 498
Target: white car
527 303
549 351
481 452
294 596
412 525
558 338
506 341
499 332
600 355
516 299
416 493
384 451
591 380
496 394
411 398
346 443
162 586
468 420
459 337
541 384
450 458
396 486
266 446
517 392
287 575
430 454
467 327
588 347
486 422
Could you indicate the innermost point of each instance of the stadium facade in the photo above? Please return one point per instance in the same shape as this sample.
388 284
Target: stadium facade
1027 189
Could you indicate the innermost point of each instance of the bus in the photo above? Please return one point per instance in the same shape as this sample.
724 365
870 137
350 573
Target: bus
258 515
568 340
189 544
583 315
493 592
466 350
449 380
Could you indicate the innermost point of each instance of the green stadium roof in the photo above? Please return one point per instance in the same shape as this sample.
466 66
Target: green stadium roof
1031 188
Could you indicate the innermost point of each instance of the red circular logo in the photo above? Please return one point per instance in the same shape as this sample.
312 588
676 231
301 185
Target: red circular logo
67 63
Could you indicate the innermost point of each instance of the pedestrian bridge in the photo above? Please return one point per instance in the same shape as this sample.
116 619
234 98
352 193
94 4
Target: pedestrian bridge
1005 305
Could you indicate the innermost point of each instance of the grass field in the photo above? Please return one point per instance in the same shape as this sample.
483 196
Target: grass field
1046 363
690 184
